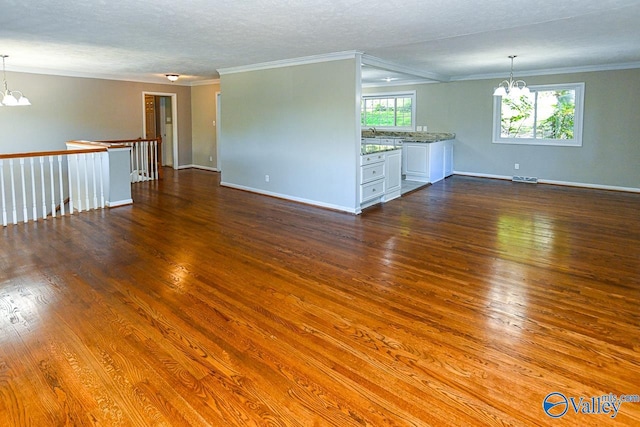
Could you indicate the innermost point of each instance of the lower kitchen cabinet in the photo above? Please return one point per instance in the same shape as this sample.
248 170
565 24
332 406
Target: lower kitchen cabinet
380 177
393 177
427 161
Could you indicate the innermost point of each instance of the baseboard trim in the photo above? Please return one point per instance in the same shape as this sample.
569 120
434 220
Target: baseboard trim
192 166
555 182
291 198
119 203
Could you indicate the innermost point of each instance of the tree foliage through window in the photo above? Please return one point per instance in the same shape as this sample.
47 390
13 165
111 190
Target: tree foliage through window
388 111
546 114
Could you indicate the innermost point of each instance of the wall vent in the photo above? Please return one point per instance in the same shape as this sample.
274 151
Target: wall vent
527 179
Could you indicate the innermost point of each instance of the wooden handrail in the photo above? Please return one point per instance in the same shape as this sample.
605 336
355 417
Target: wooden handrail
117 141
104 144
36 188
49 153
112 142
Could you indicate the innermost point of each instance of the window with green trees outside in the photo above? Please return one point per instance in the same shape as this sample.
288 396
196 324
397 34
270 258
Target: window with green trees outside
549 115
388 111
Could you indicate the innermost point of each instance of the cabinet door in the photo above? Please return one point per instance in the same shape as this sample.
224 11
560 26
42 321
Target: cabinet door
404 160
436 161
448 158
392 175
418 161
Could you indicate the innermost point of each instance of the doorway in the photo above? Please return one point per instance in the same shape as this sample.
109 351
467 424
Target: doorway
160 118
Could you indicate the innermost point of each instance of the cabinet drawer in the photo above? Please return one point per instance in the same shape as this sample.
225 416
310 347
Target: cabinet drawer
371 158
371 190
371 172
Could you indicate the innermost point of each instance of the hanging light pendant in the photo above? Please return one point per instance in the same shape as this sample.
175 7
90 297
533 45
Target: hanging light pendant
11 98
511 88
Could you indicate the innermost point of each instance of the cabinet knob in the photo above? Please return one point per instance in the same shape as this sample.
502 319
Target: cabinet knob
373 190
368 158
374 172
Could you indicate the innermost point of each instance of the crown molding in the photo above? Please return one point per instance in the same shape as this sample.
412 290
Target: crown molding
365 59
206 82
403 83
391 66
336 56
550 71
153 78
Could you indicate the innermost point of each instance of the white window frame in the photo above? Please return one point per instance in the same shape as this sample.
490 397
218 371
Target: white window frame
577 123
405 94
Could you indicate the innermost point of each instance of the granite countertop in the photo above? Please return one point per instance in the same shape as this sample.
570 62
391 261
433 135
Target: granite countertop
376 148
410 136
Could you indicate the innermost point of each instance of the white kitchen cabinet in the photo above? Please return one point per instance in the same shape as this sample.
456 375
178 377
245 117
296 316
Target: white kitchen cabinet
417 162
380 177
427 161
372 172
448 158
393 177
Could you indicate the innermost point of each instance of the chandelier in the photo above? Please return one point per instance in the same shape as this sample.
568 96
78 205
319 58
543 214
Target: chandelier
511 88
11 98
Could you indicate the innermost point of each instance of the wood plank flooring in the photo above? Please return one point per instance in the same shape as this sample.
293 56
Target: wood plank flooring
462 304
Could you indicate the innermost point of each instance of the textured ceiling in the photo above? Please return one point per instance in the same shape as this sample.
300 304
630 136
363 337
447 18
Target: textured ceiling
145 39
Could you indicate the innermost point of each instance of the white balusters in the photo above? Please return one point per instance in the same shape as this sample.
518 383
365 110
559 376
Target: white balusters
33 191
154 161
43 192
87 206
93 180
25 214
145 157
101 158
13 193
78 194
61 186
4 202
53 191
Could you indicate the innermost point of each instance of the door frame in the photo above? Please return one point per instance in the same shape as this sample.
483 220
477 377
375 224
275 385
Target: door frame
174 120
218 163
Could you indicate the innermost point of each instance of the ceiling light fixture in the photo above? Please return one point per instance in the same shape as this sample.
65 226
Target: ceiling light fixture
172 77
11 98
511 88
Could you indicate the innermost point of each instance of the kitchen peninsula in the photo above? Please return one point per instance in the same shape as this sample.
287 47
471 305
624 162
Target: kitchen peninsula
380 172
427 157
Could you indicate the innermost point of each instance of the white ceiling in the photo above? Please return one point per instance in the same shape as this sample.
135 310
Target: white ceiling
146 39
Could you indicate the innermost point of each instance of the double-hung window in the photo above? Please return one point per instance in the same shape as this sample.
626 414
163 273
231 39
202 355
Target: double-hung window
548 115
390 111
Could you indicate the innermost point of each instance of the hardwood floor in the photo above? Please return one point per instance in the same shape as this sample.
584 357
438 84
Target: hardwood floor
465 303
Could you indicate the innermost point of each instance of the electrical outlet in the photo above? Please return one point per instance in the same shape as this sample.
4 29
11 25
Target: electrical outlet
516 166
419 128
214 123
266 178
211 158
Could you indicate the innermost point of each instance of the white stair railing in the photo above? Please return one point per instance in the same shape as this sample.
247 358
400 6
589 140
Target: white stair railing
146 157
40 184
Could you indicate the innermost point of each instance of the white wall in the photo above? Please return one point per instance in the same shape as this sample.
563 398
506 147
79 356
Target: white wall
609 156
203 107
68 108
298 125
